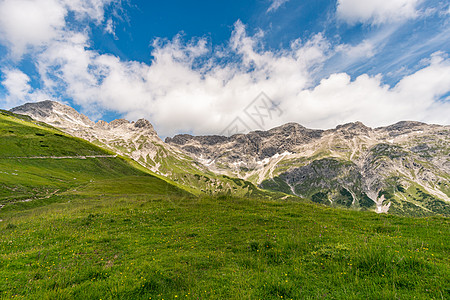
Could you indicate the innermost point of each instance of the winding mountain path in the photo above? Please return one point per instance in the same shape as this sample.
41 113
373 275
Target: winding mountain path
62 157
31 199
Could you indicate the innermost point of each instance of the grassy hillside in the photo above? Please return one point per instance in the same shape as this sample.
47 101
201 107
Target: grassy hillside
98 228
31 166
23 137
135 246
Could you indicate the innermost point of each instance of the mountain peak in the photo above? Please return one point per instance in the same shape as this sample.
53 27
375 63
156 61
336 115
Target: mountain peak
45 105
404 127
291 126
357 124
118 122
68 119
353 127
143 123
53 112
42 108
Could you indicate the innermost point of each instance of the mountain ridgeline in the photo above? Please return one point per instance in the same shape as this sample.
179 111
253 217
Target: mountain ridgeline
40 164
401 169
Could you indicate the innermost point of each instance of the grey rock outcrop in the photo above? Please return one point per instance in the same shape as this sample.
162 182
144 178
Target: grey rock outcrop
402 168
351 159
137 140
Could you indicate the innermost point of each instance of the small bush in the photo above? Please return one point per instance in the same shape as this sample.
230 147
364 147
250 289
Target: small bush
254 246
11 226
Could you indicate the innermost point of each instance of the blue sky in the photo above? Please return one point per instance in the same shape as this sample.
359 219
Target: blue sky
194 66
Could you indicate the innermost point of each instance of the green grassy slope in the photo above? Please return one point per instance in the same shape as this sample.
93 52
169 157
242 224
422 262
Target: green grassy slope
114 232
92 246
28 171
24 138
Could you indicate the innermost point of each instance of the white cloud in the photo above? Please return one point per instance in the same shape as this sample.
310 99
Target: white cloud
28 23
174 91
365 49
16 82
18 88
110 28
338 99
178 95
190 87
376 11
24 22
92 9
276 4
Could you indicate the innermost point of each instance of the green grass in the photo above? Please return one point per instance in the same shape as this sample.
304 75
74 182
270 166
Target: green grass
30 178
103 228
22 138
23 177
131 185
165 247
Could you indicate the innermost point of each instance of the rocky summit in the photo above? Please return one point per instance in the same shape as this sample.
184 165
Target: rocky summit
138 141
403 168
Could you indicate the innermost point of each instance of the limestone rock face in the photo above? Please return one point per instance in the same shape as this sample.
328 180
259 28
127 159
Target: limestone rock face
351 165
54 113
402 168
252 146
137 140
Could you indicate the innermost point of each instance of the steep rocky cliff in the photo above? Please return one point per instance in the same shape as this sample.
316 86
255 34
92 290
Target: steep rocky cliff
402 168
140 142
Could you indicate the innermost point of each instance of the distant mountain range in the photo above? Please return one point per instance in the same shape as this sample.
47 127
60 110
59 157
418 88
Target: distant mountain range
402 168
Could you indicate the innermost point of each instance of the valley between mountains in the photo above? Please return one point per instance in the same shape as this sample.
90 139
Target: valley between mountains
110 211
401 169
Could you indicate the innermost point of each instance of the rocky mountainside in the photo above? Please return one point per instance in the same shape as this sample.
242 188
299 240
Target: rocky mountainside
138 141
402 168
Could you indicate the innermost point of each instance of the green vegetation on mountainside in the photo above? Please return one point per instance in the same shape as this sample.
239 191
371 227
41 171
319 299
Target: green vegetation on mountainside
28 171
92 245
183 170
336 182
23 138
113 231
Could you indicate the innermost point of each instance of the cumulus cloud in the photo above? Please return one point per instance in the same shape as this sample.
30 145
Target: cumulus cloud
190 86
275 5
338 99
24 22
376 11
18 88
184 89
29 23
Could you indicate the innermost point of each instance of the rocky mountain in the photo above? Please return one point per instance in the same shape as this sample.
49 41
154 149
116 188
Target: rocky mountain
138 141
402 168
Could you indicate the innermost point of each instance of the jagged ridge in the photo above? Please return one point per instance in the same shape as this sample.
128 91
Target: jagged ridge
402 168
139 141
351 165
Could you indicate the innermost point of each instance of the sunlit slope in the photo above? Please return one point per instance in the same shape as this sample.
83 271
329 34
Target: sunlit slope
107 246
37 161
138 141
